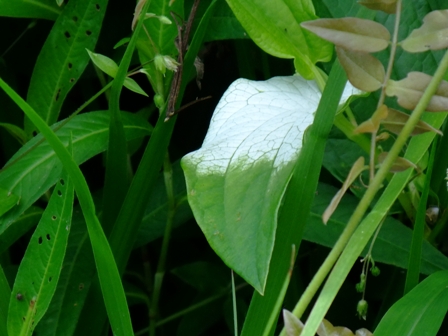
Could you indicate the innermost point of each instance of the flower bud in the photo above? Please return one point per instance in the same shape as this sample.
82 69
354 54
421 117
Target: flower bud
159 101
362 309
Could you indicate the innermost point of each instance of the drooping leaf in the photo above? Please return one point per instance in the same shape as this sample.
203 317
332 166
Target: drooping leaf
420 312
18 133
399 165
395 121
372 124
236 180
39 270
432 35
387 6
409 91
364 71
351 33
357 169
38 9
275 27
63 59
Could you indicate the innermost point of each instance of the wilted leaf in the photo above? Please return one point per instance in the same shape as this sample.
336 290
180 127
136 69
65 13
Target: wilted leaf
351 33
399 165
409 91
293 326
357 168
432 35
395 121
371 125
364 71
387 6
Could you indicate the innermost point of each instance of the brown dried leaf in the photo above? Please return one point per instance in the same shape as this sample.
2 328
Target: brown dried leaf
399 165
351 33
364 71
409 91
371 125
387 6
432 35
357 169
395 121
293 326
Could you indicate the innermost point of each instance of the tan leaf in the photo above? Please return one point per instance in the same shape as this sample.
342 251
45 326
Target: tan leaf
293 326
363 332
371 125
387 6
364 71
399 165
395 121
432 35
382 137
409 91
351 33
357 169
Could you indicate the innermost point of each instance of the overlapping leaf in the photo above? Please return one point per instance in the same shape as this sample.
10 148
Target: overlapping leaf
7 200
395 121
38 9
236 180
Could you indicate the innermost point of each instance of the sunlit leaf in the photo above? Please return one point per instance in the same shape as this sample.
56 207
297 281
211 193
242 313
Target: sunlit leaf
357 169
387 6
351 33
372 124
399 165
409 91
395 121
432 35
364 71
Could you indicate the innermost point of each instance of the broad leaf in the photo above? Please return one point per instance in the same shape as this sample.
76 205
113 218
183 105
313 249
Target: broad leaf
39 270
432 35
420 312
38 9
236 180
275 27
351 33
364 71
409 91
7 200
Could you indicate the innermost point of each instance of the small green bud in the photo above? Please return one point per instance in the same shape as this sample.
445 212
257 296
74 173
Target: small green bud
375 271
160 64
360 287
361 309
159 101
164 20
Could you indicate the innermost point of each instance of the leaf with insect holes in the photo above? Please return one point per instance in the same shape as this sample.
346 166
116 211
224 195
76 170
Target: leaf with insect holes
363 70
395 121
40 268
236 181
357 168
387 6
351 33
432 35
109 66
372 124
399 165
409 91
7 200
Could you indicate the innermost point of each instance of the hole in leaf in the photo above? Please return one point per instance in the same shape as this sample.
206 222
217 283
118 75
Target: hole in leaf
23 318
70 66
75 18
57 94
59 193
34 133
67 34
39 240
97 6
88 32
72 80
61 181
49 279
81 286
53 217
48 235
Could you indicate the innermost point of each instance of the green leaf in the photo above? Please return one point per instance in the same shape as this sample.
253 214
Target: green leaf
420 312
18 133
351 33
41 165
38 9
7 200
236 180
62 59
39 270
5 294
432 35
224 25
275 27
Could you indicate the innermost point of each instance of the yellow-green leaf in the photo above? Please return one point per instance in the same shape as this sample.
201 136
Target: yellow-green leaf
351 33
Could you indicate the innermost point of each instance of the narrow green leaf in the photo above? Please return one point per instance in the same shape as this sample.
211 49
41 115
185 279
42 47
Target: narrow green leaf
63 59
432 35
38 9
420 312
5 294
18 133
275 27
39 270
7 200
